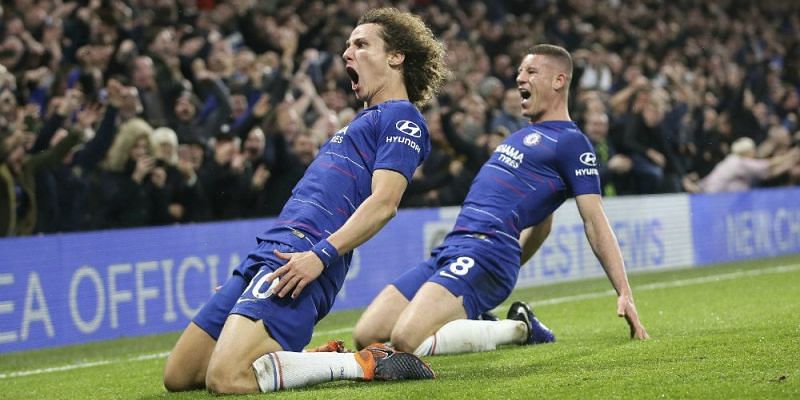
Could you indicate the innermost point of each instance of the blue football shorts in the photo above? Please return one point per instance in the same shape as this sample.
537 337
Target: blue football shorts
482 278
289 321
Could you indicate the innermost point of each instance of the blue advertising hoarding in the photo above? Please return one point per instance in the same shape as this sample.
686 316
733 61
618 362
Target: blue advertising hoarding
745 225
74 288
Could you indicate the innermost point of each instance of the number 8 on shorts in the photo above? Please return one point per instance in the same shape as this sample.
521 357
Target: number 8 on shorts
462 265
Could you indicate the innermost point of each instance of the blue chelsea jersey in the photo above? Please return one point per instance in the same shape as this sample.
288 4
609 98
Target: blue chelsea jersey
527 177
390 135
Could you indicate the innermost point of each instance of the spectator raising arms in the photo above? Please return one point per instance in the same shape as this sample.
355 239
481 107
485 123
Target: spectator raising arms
676 97
740 170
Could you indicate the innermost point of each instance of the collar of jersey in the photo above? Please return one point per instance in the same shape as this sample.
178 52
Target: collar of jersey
385 103
562 124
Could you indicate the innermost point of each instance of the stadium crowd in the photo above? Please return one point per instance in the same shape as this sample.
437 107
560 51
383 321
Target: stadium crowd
119 113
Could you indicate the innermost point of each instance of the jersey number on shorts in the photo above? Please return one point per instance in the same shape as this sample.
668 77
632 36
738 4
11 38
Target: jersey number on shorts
459 267
256 284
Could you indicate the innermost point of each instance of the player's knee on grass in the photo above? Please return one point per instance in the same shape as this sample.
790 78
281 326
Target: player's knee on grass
366 333
362 338
229 378
406 339
183 373
177 380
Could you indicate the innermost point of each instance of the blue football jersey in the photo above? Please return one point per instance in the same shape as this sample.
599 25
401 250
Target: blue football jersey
390 135
527 177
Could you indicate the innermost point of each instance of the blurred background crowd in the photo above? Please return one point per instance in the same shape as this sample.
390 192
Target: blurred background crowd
119 113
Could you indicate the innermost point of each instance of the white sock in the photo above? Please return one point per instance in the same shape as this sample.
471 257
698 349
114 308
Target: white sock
286 369
471 336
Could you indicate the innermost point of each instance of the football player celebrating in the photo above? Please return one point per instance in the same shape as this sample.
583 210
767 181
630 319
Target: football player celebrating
432 309
249 336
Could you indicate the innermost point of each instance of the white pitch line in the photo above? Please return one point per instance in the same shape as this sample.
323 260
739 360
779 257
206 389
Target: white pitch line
56 369
557 300
331 332
82 365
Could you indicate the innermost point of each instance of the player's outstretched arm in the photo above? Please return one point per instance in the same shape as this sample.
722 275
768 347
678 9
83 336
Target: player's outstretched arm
605 247
376 210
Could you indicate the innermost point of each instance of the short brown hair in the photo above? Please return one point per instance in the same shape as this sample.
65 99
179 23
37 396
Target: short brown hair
424 68
557 53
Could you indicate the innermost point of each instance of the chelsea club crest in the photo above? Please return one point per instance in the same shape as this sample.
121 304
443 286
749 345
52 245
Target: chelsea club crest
532 139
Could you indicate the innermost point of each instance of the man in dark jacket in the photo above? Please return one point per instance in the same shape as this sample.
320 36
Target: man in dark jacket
614 168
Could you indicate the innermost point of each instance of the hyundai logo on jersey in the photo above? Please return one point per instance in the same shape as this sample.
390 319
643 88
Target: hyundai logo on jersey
589 159
409 128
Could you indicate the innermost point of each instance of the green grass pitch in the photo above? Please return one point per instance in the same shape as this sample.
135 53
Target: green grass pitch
728 331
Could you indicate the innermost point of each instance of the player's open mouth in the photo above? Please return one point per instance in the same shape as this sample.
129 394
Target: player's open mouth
526 95
353 76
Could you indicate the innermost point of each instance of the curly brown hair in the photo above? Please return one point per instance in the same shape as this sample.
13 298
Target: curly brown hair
424 68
